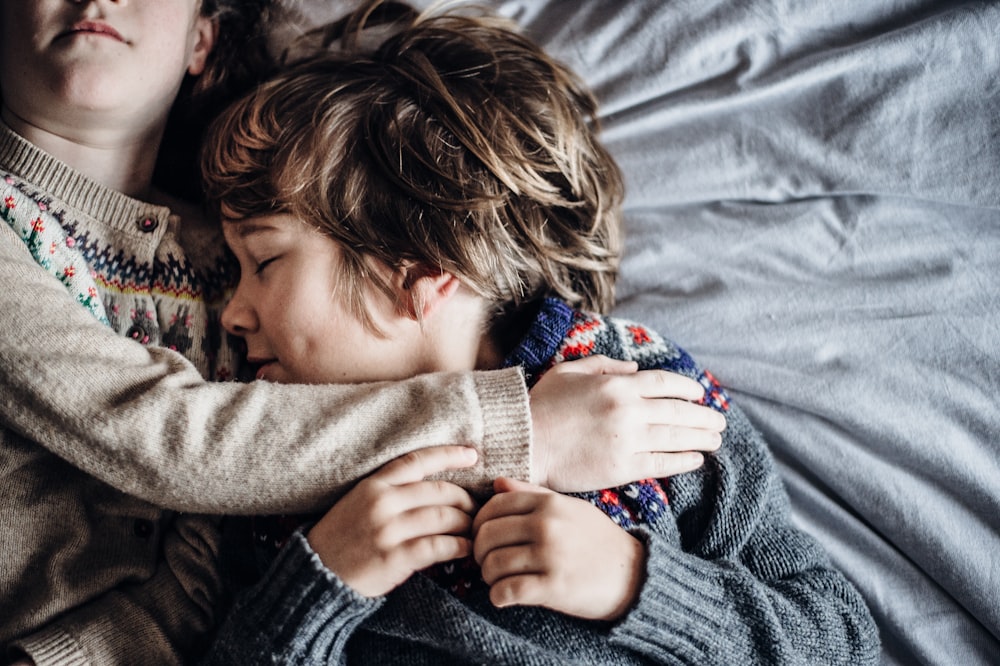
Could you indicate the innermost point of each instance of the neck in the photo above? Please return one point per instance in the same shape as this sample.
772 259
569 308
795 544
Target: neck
117 158
456 336
489 355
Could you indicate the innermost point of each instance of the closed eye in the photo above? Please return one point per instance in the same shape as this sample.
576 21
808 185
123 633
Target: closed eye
264 264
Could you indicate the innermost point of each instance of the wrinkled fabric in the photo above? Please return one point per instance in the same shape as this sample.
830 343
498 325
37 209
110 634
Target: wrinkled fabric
813 211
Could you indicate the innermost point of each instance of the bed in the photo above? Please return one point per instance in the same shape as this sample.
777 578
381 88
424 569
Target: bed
813 211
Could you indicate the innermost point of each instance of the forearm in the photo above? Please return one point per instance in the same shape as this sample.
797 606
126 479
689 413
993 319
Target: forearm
144 421
298 613
694 610
162 620
739 583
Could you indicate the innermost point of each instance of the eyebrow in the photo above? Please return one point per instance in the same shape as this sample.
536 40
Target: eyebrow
244 228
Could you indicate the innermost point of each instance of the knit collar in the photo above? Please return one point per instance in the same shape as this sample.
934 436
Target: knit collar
61 182
542 340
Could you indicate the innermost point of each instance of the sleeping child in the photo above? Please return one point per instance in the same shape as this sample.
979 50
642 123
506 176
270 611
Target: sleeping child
431 195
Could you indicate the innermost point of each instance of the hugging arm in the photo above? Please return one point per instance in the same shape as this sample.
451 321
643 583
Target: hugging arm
143 420
150 425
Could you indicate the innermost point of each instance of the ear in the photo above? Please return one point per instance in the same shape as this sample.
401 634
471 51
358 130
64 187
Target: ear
206 32
427 289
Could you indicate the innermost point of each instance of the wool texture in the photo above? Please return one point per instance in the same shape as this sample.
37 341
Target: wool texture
728 578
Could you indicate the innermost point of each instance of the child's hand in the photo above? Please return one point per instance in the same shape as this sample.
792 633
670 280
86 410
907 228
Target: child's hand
539 548
394 523
599 424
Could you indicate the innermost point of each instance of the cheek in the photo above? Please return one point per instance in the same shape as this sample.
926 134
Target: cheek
298 320
173 46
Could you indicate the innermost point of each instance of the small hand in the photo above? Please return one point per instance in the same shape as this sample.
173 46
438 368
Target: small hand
394 522
539 548
600 424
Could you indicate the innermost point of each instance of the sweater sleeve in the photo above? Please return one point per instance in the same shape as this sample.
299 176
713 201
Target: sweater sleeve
743 585
143 420
158 621
299 613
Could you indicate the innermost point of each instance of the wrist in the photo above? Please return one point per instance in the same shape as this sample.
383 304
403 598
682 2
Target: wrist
635 577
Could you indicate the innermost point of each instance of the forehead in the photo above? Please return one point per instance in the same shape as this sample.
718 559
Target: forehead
238 231
249 226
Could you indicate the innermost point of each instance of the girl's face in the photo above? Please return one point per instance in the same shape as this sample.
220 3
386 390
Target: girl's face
290 311
61 60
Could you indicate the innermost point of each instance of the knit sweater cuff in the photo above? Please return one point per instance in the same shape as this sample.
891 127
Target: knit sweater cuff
507 436
52 647
300 612
679 593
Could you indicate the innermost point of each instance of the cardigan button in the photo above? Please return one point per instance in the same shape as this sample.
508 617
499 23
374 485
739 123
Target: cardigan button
148 224
138 333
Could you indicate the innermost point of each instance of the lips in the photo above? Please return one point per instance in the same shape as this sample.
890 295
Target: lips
262 365
94 28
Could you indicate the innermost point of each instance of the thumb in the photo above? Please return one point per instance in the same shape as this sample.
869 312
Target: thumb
505 484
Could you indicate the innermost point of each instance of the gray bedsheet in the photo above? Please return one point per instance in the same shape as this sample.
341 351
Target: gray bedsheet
814 213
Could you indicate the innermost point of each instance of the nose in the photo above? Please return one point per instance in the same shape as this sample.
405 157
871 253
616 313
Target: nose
239 317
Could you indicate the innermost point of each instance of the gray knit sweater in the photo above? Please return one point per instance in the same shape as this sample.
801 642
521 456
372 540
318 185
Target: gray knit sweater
728 579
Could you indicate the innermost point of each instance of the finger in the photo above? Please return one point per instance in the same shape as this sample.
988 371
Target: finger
674 439
502 532
505 504
662 465
431 493
517 560
426 551
428 521
419 464
677 412
666 384
598 365
504 484
528 589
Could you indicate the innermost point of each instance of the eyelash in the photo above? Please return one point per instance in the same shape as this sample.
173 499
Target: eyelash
262 265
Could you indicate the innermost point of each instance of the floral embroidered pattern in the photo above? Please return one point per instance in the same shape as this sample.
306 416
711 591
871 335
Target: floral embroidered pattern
51 247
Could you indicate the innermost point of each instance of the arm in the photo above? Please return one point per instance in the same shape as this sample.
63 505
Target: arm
144 421
149 425
162 619
297 597
738 583
320 589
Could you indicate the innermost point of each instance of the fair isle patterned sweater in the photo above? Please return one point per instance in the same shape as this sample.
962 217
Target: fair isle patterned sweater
728 579
156 295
